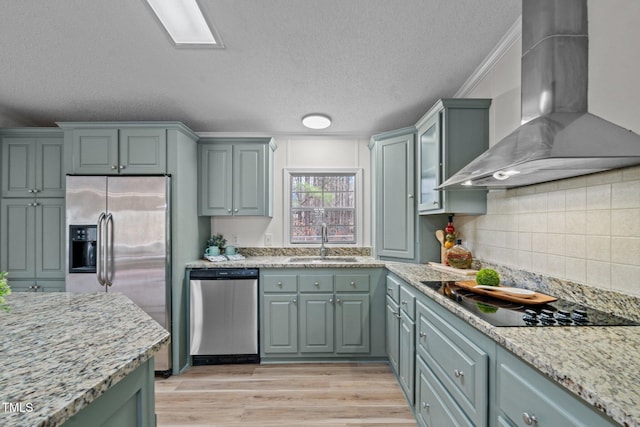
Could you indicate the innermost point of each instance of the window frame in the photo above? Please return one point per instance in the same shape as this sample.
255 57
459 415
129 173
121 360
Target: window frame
358 200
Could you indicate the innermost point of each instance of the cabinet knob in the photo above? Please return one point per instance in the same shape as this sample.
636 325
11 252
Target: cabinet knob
353 284
122 167
529 420
295 301
458 373
403 302
338 300
425 405
229 210
331 300
435 203
279 284
396 315
410 196
422 335
316 284
30 190
114 167
235 210
389 289
34 204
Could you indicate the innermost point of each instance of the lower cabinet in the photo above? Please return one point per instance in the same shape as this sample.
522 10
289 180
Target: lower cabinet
454 375
320 313
525 398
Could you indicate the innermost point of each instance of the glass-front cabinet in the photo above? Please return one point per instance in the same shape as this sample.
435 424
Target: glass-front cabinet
430 165
450 135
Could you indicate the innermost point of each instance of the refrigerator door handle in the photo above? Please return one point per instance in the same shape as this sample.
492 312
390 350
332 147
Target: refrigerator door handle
100 250
109 250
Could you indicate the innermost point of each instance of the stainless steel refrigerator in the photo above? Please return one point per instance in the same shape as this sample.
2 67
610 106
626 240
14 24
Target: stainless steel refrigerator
118 231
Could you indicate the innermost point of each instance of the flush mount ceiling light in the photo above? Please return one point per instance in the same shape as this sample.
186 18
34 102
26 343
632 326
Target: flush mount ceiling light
185 22
316 121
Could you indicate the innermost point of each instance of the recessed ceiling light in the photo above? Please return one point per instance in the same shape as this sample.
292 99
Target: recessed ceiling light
316 121
184 22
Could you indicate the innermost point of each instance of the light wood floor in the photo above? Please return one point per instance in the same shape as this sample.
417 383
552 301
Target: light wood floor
301 395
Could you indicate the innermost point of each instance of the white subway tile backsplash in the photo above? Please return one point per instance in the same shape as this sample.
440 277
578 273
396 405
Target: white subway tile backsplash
584 229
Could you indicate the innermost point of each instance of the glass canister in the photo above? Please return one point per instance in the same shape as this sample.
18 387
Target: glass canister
459 256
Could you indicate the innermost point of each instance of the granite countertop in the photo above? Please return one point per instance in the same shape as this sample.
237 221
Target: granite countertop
597 364
284 262
61 351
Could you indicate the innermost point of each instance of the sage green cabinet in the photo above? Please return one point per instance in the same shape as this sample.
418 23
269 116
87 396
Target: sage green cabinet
394 207
280 323
117 148
236 176
32 244
321 313
450 135
525 397
32 163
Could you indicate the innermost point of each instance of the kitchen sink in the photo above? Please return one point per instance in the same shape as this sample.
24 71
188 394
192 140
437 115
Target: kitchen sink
320 260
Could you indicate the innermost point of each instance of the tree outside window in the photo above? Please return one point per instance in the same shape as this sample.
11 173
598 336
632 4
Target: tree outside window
319 198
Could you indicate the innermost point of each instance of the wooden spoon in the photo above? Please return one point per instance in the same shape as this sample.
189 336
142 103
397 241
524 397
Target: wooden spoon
443 252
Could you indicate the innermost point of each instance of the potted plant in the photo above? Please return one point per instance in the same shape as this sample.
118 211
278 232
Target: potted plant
214 244
4 290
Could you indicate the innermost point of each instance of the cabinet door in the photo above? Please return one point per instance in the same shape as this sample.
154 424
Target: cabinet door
216 179
49 167
407 356
395 197
280 325
18 238
429 165
393 331
316 323
95 151
18 176
143 151
434 406
352 323
50 238
249 178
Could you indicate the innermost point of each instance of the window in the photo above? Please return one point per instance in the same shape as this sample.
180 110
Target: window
323 197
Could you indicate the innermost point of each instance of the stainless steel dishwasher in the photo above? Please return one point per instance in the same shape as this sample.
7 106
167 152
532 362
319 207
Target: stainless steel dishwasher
224 316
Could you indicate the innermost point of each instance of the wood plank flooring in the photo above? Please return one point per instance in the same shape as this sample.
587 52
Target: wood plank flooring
309 395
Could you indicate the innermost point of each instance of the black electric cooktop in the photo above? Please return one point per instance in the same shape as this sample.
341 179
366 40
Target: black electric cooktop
504 313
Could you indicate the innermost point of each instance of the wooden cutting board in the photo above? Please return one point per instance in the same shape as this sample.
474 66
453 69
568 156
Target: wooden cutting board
449 269
536 299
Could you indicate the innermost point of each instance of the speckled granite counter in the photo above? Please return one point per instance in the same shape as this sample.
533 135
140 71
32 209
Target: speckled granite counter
598 364
61 351
284 262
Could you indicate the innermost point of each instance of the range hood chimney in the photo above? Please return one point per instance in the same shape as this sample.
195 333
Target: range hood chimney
558 138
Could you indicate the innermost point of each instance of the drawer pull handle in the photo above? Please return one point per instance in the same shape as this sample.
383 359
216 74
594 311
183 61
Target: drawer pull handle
529 420
458 373
390 289
422 334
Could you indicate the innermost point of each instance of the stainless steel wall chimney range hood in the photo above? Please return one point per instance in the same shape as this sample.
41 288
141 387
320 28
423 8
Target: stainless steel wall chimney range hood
558 138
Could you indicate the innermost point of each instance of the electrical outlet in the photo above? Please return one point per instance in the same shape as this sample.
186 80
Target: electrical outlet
234 239
268 239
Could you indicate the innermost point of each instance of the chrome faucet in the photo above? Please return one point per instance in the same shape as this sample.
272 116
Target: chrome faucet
323 239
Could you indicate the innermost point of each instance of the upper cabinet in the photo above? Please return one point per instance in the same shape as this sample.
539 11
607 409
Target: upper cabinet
450 135
32 163
236 176
394 211
117 148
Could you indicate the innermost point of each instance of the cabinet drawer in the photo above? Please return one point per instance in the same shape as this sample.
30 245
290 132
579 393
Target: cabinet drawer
280 283
524 394
434 405
408 302
459 364
316 283
393 288
352 283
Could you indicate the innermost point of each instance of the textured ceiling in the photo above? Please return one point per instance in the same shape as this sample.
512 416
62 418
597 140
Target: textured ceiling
372 65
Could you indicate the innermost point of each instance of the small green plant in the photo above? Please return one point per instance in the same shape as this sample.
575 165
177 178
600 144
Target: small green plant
217 240
488 277
4 290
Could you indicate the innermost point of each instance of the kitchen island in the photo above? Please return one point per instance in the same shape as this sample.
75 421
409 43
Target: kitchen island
77 359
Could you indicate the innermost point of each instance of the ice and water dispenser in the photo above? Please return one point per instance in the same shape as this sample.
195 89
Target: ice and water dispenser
83 241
